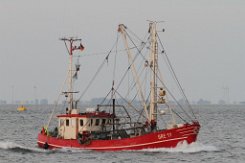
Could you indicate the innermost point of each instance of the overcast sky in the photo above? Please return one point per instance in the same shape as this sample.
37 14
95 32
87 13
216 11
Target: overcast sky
204 39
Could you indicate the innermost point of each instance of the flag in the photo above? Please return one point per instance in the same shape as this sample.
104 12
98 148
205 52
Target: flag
80 47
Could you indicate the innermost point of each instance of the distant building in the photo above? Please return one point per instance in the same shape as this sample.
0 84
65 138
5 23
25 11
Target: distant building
203 102
242 102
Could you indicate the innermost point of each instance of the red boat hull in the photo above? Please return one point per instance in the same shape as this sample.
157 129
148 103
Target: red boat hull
160 139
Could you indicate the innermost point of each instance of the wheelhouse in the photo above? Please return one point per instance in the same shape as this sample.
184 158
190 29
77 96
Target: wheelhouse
70 125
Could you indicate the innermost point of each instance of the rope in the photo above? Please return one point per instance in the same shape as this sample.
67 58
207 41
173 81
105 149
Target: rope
95 75
67 48
129 103
143 109
56 103
139 52
106 97
175 77
136 35
55 106
103 53
175 100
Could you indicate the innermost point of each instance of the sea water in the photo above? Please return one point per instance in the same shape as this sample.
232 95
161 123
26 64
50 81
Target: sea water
221 139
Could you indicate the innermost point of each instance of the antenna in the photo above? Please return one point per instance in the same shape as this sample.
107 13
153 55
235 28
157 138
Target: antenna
151 21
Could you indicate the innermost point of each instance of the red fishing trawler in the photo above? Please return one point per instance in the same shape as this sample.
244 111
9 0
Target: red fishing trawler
124 123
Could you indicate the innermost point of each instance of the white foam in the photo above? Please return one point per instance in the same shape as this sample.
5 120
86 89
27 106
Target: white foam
11 145
184 147
70 150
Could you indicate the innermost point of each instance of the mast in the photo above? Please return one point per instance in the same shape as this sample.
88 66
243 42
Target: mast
70 47
122 30
154 68
113 107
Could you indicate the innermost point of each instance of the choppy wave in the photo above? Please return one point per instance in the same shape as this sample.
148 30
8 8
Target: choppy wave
184 147
18 148
71 150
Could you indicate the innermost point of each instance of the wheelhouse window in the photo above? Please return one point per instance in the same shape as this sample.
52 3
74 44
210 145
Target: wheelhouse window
97 122
61 122
91 122
103 121
67 122
81 122
109 121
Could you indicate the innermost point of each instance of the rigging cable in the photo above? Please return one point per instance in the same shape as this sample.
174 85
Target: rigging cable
98 70
106 97
67 48
175 77
129 103
174 99
162 82
103 53
123 77
128 68
147 100
133 84
139 52
56 102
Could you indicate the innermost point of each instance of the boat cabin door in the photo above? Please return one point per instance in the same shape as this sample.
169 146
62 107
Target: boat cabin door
69 129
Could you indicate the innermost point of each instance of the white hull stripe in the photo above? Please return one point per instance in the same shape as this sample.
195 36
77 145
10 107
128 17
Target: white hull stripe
129 146
189 134
182 132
